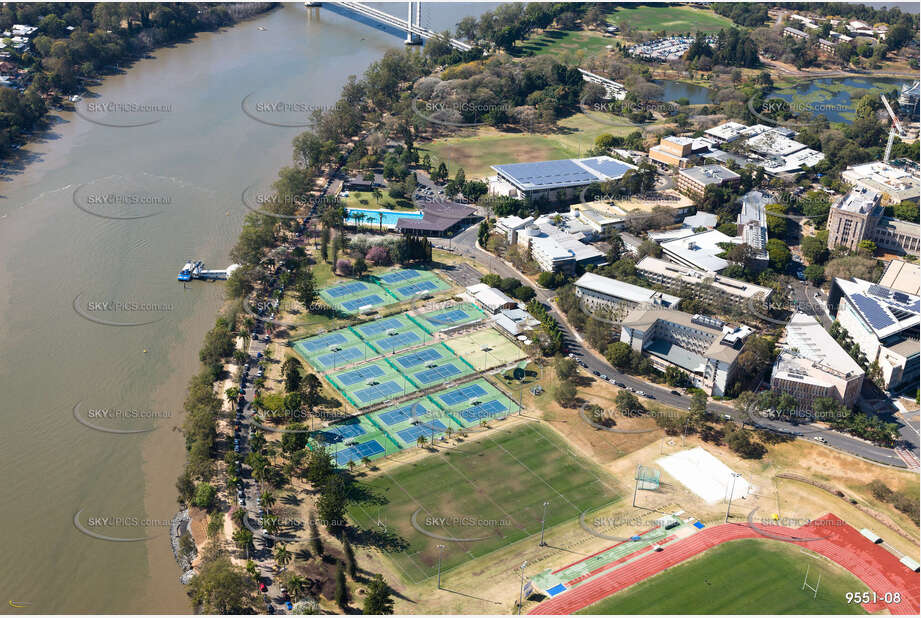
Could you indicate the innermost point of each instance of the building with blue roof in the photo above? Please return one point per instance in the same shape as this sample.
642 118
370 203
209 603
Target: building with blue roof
555 180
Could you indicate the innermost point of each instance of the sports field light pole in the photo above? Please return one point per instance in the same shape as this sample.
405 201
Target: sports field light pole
441 549
521 590
542 521
734 475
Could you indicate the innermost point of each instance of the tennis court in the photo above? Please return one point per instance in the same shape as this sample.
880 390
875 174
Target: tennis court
394 341
498 351
397 276
473 402
338 357
405 284
441 319
370 383
377 328
422 355
352 296
445 371
358 451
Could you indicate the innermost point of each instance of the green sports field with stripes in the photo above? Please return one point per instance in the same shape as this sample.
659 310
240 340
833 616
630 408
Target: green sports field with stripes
480 496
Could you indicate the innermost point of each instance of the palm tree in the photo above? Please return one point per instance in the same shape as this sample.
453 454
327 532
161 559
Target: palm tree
449 432
351 465
296 586
366 461
243 538
380 217
421 441
239 516
282 555
267 498
377 198
251 568
270 524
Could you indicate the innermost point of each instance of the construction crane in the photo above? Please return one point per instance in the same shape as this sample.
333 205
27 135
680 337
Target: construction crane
895 128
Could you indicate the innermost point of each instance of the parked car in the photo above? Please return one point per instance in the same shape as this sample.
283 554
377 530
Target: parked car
820 439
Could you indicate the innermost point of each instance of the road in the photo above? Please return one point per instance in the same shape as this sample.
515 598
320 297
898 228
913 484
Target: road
262 552
465 244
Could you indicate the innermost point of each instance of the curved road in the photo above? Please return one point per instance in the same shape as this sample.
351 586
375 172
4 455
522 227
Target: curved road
465 244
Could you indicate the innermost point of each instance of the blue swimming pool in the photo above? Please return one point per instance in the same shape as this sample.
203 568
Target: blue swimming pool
372 217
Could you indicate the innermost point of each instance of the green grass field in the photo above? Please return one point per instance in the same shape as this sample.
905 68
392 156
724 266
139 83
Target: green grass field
491 490
560 41
671 19
740 577
475 153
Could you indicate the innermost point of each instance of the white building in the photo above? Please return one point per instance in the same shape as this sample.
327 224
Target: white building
557 243
699 251
726 132
885 324
511 225
609 297
752 222
491 299
895 183
706 285
704 348
812 365
515 321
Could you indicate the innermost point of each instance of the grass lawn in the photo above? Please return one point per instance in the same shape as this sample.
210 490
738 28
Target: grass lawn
740 577
365 200
671 19
491 489
560 41
488 146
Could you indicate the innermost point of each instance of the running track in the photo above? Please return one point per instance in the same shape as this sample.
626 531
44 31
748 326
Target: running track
872 564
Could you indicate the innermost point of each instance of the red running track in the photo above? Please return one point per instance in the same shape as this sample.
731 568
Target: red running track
833 538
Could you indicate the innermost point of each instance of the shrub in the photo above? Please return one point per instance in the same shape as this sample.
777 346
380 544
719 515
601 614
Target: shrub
344 267
379 256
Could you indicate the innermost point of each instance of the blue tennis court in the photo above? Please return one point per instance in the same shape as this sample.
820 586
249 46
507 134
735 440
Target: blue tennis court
405 413
340 358
346 289
411 434
483 411
397 341
379 326
378 391
356 303
319 343
342 431
437 373
417 288
462 394
399 275
357 451
417 358
449 317
357 375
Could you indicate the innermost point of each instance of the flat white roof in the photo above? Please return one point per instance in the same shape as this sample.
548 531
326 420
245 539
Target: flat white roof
700 250
624 291
812 341
491 297
732 287
773 143
902 276
727 131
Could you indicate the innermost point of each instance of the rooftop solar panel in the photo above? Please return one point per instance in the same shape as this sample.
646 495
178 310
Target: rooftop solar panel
609 167
872 311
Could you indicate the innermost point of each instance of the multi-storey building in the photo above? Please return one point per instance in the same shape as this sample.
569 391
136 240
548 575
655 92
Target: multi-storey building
707 286
859 216
695 180
812 365
704 348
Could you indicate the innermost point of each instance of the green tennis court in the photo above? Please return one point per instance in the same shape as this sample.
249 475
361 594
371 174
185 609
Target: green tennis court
449 317
404 284
370 383
390 335
473 402
356 296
